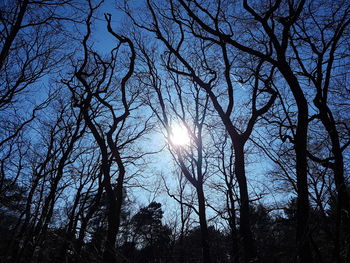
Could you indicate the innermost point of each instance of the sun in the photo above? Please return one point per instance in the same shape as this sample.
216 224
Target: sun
179 135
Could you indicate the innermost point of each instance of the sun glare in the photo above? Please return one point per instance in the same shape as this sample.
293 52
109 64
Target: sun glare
179 135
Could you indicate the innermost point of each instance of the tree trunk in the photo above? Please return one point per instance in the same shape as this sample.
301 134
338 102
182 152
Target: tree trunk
250 253
343 206
109 252
300 144
203 224
232 223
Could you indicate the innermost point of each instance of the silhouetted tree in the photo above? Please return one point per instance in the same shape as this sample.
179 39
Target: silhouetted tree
106 102
150 235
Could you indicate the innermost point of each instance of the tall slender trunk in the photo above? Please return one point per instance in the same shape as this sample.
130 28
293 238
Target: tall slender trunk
303 208
182 231
85 221
250 252
115 199
343 206
328 122
109 252
71 228
232 223
203 225
300 147
13 32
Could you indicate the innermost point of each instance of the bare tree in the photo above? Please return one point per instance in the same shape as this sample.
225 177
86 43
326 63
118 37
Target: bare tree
99 89
318 47
273 22
176 110
207 78
32 37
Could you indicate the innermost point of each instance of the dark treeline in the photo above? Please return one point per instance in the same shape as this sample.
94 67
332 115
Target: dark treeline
232 115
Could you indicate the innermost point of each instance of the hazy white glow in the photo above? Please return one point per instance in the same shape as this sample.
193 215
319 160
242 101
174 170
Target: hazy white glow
179 135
